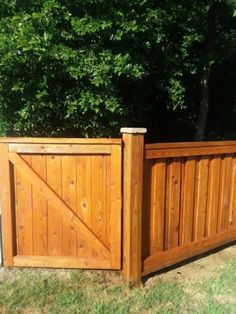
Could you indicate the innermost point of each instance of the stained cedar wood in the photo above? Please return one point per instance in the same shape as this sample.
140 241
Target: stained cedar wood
8 241
182 212
158 206
147 208
161 260
175 254
226 192
84 182
190 151
232 206
59 204
201 190
59 149
213 196
175 145
187 200
132 211
84 201
109 183
99 206
205 188
61 262
54 140
114 200
221 191
55 237
173 204
24 214
69 187
40 210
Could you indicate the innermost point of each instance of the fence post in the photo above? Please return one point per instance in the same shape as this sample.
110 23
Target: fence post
6 207
133 139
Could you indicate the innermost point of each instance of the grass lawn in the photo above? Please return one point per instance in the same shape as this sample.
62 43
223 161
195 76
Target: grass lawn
206 285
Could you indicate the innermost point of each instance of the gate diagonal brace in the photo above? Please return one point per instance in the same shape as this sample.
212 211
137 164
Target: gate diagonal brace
65 210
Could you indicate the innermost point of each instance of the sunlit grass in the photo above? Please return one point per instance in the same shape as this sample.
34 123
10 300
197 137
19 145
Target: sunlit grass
34 291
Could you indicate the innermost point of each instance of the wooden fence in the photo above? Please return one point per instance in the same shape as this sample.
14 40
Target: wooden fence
62 202
190 203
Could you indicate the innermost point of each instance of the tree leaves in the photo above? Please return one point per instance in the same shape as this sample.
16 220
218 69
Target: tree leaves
86 67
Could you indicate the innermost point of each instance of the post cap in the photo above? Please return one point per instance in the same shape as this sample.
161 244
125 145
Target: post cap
133 130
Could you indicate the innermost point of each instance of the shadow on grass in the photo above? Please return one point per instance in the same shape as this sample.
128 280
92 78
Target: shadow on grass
186 262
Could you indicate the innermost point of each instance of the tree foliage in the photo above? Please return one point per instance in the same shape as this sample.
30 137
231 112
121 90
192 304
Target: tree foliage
84 68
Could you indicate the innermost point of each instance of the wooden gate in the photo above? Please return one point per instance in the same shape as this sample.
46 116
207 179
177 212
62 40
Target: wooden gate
61 202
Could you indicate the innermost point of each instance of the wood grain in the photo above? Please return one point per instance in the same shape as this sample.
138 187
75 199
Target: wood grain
132 207
60 262
213 196
189 151
173 196
187 203
68 194
7 203
59 204
59 149
61 140
55 219
114 198
161 260
62 202
40 209
201 190
158 206
24 212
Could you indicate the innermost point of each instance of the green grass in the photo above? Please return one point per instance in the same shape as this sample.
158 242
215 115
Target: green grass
35 291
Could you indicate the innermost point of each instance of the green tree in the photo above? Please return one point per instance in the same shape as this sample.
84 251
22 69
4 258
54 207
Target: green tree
84 68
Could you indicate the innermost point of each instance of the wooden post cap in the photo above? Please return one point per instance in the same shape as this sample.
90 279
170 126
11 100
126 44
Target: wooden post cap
133 130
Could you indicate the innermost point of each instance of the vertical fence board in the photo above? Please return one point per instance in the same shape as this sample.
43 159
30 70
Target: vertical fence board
114 199
200 208
84 194
232 211
173 204
147 207
84 199
55 237
158 205
221 192
99 210
40 214
6 194
226 193
24 214
213 196
187 206
69 186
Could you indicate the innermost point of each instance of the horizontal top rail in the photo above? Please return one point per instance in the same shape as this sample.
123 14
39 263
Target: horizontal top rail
33 148
56 140
187 149
190 144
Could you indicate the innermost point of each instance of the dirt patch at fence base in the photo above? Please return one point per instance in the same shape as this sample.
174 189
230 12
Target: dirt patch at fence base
197 269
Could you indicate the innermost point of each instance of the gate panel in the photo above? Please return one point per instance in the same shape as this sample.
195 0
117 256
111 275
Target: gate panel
67 204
